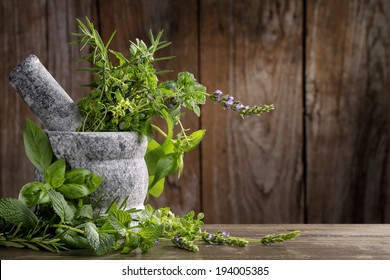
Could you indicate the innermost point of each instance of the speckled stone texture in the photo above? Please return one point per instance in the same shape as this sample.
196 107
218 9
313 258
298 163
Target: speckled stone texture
45 97
118 157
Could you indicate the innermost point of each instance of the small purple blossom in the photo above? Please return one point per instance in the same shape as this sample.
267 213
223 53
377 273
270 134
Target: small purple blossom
171 105
239 106
210 236
229 101
177 239
155 242
247 107
218 92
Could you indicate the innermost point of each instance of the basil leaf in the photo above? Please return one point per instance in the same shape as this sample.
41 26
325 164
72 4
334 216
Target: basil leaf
193 140
37 145
166 165
153 153
33 193
157 188
79 183
16 212
55 173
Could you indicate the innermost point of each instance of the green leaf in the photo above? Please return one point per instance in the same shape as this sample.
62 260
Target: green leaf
37 145
166 165
115 224
16 212
86 211
157 188
33 193
122 59
79 183
55 173
193 140
149 235
72 240
153 153
60 206
101 243
131 243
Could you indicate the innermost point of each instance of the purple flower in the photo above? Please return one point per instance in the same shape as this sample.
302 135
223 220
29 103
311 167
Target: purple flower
210 236
177 239
247 107
218 92
171 105
239 106
229 101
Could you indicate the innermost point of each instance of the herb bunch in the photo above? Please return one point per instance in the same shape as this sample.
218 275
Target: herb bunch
56 215
126 95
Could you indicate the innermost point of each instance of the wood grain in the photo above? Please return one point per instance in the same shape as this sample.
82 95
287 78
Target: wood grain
316 242
23 32
133 19
62 56
252 168
348 102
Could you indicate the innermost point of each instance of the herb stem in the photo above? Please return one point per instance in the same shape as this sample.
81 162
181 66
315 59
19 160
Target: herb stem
68 227
159 130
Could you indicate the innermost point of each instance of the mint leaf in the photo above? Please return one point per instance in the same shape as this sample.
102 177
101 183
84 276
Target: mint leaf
55 173
60 206
148 235
85 211
71 239
16 212
131 243
101 243
37 145
33 193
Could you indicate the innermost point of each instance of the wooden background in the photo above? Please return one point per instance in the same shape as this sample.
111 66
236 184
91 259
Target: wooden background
321 157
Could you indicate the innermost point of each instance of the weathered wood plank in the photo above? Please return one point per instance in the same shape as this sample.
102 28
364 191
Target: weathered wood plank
22 32
252 168
133 19
61 56
348 102
316 242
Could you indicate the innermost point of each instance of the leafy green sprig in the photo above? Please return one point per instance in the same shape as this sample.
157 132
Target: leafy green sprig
126 95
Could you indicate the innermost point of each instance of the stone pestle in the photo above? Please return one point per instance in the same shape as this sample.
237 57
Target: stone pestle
45 97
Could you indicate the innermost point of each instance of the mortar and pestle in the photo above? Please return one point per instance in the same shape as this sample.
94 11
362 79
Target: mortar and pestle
118 157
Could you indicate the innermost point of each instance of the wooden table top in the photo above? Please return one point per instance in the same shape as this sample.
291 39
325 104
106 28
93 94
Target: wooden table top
317 242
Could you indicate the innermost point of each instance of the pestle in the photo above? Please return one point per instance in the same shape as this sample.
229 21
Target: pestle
45 97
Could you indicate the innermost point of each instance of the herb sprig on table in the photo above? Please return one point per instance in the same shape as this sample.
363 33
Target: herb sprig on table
55 215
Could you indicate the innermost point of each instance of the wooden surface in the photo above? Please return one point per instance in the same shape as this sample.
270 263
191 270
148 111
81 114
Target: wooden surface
348 103
316 242
253 51
321 157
